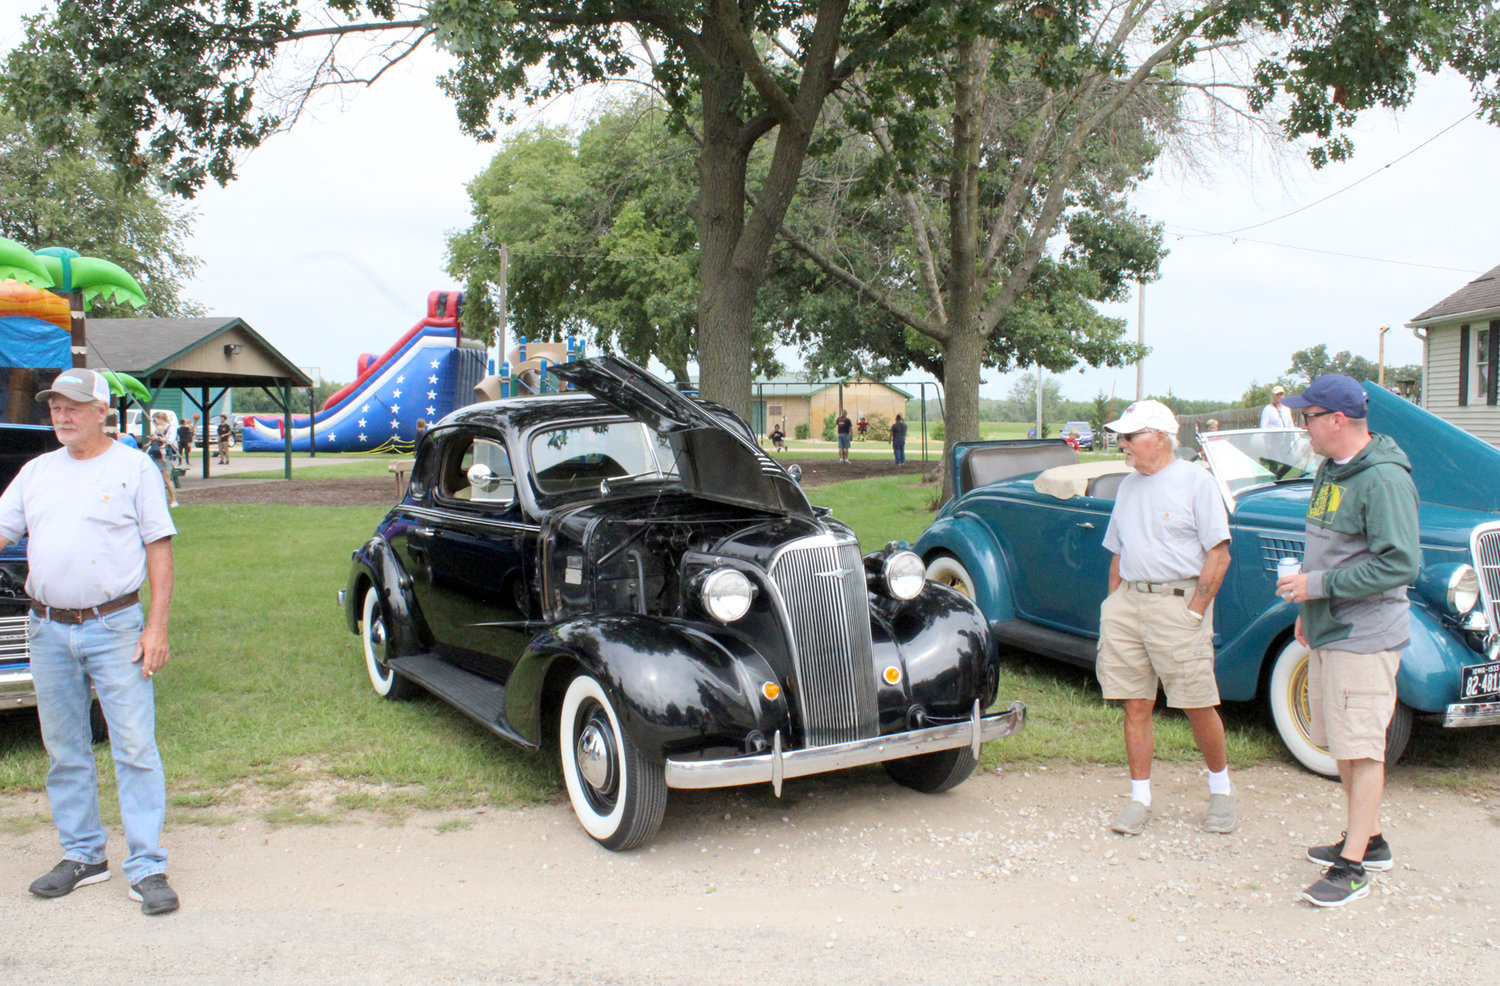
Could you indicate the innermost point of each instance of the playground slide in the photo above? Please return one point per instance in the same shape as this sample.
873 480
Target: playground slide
425 375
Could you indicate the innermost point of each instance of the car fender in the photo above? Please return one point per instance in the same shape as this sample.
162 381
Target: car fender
679 690
942 647
965 538
376 563
1432 663
1240 664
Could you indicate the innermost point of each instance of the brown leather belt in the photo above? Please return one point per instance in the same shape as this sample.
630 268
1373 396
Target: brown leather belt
83 615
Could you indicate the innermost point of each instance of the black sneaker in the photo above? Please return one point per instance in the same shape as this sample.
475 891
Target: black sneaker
1341 883
154 894
1377 853
68 876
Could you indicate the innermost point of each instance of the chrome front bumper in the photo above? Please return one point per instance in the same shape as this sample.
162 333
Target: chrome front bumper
1461 714
780 764
16 691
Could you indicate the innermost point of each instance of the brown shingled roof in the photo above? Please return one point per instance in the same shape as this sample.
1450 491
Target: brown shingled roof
1479 295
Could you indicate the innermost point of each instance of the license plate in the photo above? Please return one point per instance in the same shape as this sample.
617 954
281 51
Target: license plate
1481 680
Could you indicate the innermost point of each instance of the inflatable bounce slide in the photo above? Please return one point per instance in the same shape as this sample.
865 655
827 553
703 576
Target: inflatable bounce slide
429 372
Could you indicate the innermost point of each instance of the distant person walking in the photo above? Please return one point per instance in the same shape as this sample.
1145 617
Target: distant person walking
845 430
225 434
185 436
1362 553
1276 414
898 440
162 453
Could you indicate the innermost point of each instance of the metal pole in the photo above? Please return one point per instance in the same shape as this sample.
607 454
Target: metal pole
501 313
1039 400
1140 337
1383 330
312 427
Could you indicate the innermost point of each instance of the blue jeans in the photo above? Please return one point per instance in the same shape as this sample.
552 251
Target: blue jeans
64 659
898 446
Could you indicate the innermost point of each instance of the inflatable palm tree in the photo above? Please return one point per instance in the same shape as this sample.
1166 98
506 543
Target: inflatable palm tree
82 279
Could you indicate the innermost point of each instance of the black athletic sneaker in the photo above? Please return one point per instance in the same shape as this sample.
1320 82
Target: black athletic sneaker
67 876
1377 853
154 894
1341 883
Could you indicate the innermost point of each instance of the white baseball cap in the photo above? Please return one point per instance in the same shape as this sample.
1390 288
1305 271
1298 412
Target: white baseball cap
1145 414
78 384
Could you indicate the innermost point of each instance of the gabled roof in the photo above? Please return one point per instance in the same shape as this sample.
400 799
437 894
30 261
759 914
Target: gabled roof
796 386
189 352
1479 298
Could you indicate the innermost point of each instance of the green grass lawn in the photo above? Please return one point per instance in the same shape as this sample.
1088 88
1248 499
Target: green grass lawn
265 707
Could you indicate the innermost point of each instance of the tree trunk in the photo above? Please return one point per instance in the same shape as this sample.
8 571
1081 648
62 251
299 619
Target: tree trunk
962 355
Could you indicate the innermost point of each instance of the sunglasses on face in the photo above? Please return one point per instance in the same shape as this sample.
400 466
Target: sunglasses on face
1306 415
1135 435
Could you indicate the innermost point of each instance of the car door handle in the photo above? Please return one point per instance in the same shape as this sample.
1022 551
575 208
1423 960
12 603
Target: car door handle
424 532
1086 525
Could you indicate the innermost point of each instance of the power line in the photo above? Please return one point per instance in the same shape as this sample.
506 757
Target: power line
1188 231
1341 191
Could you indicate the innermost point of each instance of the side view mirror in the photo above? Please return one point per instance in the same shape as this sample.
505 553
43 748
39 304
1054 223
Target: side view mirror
482 477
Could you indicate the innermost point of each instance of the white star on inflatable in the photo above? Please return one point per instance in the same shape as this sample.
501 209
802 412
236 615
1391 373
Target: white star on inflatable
330 437
434 364
432 395
395 426
395 408
401 378
395 393
432 410
361 422
361 437
432 379
365 409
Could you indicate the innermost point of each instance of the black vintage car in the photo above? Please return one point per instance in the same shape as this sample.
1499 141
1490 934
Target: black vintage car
630 572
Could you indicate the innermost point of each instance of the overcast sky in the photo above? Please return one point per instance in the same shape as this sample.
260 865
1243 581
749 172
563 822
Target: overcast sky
330 239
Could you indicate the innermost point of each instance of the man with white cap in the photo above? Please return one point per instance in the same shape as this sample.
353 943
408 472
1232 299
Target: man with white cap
99 527
1276 414
1169 534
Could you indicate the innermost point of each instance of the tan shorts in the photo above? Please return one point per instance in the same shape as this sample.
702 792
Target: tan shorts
1350 698
1146 637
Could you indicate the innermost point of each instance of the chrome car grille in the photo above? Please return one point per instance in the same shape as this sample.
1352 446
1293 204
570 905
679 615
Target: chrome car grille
822 585
1484 549
13 649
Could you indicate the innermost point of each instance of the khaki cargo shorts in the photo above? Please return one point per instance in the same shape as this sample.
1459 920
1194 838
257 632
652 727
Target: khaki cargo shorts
1350 698
1146 637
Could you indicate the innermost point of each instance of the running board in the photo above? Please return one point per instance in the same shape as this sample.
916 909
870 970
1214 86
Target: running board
1046 641
480 698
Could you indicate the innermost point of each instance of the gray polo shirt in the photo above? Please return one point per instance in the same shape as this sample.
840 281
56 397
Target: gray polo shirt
89 522
1163 525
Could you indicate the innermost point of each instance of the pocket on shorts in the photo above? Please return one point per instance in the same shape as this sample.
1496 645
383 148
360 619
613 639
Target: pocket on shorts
33 625
131 619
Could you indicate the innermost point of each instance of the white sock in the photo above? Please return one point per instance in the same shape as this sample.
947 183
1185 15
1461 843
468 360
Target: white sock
1218 781
1141 791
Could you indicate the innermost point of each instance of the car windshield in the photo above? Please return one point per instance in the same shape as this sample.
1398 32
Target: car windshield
581 456
1241 459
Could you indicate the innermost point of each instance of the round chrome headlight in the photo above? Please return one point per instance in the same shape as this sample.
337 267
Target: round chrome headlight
1463 589
727 595
904 575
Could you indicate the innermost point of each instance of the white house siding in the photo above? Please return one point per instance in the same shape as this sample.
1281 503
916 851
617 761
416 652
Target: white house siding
1440 393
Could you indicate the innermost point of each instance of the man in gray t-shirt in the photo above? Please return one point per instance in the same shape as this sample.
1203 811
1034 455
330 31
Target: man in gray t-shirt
1169 535
98 525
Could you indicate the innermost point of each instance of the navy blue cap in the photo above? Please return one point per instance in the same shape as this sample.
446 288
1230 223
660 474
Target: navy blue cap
1333 392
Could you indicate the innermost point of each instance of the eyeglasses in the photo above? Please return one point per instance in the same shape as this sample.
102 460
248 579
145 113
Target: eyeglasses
1316 414
1136 435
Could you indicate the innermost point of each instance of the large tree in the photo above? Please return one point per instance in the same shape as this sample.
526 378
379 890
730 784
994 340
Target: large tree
985 200
182 83
174 83
68 195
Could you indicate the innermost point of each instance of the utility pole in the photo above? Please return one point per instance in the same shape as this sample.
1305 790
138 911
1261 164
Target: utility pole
1039 400
500 311
1383 330
1140 337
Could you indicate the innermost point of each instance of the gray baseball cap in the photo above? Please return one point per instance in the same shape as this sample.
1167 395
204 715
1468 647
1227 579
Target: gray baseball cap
77 384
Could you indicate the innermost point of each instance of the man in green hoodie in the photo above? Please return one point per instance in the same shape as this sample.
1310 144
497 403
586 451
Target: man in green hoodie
1362 553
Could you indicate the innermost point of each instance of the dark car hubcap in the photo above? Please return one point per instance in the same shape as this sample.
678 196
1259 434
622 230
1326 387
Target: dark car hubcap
598 760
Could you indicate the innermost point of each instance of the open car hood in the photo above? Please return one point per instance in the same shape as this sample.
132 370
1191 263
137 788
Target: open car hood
714 462
1448 465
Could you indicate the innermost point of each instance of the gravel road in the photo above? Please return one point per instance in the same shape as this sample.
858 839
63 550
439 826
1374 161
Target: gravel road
1011 876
